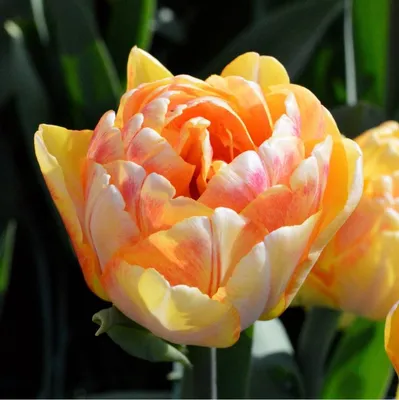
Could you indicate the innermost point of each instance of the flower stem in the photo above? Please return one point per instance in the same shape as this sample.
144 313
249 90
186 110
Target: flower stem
314 343
200 382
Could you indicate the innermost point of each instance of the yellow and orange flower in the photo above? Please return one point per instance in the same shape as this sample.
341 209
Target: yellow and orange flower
358 271
201 206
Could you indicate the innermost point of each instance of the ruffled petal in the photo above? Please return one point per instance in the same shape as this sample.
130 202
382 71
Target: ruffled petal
60 153
198 252
106 222
148 149
249 103
264 70
289 260
106 143
236 184
142 67
249 286
179 314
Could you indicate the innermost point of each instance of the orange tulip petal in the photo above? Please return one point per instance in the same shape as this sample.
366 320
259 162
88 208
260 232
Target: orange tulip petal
155 154
197 252
179 314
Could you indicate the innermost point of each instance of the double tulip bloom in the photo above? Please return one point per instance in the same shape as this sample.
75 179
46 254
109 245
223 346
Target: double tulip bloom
201 206
358 271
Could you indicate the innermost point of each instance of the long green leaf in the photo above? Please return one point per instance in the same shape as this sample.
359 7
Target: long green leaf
90 75
7 240
291 35
130 25
360 368
31 98
371 28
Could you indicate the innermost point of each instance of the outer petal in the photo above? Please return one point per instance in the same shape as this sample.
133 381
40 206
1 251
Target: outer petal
249 286
264 70
143 68
392 336
198 252
289 260
59 153
179 314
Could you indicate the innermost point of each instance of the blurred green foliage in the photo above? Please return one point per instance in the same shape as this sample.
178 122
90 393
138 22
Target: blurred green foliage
64 62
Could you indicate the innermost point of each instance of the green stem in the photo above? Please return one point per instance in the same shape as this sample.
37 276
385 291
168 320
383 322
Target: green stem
200 382
314 343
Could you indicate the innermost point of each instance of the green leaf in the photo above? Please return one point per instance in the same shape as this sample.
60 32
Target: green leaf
7 240
291 35
273 372
354 120
90 75
370 33
6 249
360 368
31 98
136 340
138 16
5 69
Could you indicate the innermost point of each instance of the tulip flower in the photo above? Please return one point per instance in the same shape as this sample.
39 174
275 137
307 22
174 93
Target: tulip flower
200 206
358 271
392 338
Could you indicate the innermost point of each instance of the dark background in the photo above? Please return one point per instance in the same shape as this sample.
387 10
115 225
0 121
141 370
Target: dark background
47 342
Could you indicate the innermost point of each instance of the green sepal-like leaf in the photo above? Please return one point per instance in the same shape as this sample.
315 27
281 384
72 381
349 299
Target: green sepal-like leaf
273 372
360 368
136 340
291 35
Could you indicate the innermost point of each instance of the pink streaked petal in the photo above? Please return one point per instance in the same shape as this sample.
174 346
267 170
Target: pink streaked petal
308 182
131 128
155 113
236 184
148 149
269 209
280 156
106 143
159 210
107 223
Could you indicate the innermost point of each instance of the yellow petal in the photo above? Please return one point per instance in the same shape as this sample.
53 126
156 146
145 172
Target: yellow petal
264 70
143 68
287 256
60 152
392 336
179 314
